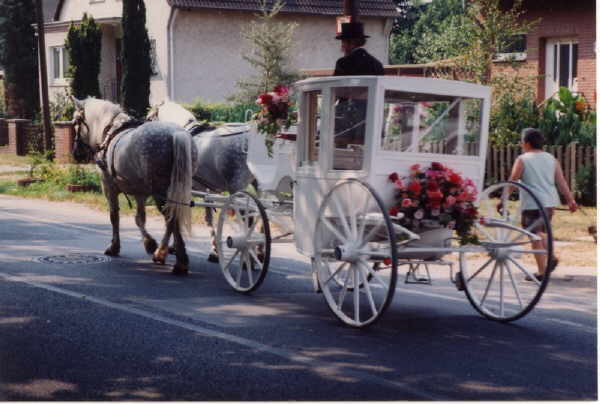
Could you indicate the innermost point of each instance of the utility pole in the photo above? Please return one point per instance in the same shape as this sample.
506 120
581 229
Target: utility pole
351 9
43 74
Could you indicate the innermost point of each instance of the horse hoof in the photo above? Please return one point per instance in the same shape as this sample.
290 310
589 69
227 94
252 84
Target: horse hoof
179 269
112 251
159 256
150 245
212 257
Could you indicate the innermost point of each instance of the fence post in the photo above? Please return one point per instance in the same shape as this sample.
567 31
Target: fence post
64 136
17 136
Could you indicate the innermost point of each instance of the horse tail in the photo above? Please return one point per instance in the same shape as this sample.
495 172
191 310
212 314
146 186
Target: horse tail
179 193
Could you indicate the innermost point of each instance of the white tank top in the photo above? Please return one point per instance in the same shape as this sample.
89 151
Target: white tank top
538 176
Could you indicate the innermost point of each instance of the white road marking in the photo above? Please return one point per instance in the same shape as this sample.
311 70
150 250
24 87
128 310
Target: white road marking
318 367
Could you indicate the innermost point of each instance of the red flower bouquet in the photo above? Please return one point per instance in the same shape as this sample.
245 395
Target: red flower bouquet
433 197
275 113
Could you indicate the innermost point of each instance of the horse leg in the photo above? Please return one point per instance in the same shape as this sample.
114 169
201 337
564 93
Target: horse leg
208 216
181 266
140 220
112 197
160 255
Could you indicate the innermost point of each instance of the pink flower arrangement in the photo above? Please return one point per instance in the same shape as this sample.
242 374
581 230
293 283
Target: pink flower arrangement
275 113
435 194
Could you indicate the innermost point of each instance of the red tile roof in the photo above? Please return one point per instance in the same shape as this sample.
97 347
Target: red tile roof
372 8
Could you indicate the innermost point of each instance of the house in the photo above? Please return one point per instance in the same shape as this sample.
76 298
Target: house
560 50
197 44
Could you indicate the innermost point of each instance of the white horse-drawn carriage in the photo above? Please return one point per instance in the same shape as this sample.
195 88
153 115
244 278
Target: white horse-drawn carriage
352 133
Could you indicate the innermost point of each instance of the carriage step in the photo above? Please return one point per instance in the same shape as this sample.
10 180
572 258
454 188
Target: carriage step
415 276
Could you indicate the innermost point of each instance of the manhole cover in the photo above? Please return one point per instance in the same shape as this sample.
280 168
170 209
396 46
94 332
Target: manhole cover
70 259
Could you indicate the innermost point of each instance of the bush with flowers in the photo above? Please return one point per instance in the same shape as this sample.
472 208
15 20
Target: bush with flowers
275 113
435 196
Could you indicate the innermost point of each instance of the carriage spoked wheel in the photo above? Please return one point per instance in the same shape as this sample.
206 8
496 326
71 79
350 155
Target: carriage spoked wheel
355 253
500 281
243 242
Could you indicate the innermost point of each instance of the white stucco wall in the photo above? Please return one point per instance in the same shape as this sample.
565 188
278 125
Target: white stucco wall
208 49
72 10
157 20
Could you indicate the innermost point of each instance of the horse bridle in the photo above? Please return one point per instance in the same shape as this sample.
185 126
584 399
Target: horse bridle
79 144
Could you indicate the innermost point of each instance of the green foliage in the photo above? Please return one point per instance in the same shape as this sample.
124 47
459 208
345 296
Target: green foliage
84 44
137 63
568 118
514 108
18 56
36 159
221 112
2 100
585 186
270 43
425 33
61 108
77 175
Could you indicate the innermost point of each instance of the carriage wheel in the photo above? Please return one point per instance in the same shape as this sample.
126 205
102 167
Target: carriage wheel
243 242
355 245
500 282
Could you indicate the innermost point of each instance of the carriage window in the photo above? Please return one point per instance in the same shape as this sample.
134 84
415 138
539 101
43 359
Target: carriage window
350 109
427 123
312 102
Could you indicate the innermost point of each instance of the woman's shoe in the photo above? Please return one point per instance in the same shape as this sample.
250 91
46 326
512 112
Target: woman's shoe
537 276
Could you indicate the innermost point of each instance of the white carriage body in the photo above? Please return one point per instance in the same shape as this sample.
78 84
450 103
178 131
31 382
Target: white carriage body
419 121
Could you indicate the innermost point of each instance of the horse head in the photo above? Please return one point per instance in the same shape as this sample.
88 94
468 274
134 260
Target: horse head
93 119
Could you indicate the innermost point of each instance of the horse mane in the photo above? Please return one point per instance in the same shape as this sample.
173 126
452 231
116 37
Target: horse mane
99 115
170 111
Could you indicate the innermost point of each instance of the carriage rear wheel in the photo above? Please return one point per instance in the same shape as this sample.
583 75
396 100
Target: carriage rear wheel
243 242
355 253
502 281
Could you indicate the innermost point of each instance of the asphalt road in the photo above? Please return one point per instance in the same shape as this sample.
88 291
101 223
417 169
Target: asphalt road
126 329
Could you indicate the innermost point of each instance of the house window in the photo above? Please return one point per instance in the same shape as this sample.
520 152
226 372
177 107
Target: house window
60 63
513 50
561 65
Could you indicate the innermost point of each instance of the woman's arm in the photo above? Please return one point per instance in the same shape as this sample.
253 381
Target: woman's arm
563 187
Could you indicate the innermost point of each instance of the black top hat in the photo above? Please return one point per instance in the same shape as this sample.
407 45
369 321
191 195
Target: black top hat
352 30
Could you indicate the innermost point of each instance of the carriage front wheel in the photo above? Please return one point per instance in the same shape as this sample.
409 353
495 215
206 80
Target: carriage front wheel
243 242
355 253
502 281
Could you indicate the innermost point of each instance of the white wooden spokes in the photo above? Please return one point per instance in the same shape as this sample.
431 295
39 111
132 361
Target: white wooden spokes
507 283
243 242
353 237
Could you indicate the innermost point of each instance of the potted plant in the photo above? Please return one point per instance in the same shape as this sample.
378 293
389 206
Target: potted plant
434 202
81 180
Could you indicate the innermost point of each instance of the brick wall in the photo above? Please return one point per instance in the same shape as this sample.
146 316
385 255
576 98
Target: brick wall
64 135
560 19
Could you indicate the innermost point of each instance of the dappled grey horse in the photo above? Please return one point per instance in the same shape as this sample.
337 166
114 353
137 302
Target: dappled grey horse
222 153
152 159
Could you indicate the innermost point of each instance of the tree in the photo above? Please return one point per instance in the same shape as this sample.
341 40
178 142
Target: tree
270 43
427 32
137 64
18 56
84 44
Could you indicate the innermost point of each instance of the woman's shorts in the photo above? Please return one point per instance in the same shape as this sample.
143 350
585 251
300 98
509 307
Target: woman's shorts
529 217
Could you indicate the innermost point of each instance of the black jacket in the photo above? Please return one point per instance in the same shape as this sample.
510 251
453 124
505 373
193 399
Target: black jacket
358 63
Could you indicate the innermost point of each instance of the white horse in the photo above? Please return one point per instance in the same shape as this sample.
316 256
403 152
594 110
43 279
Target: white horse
152 159
222 153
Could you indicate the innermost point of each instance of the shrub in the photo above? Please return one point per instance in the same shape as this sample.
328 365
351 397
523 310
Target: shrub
78 175
221 112
585 186
568 118
61 108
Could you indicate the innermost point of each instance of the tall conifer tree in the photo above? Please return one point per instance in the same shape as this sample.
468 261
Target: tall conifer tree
18 56
137 65
84 43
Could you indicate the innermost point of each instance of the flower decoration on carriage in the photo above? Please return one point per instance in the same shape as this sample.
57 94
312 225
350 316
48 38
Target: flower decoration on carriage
435 196
276 113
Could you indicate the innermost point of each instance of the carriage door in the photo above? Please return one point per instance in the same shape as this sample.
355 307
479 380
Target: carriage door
308 189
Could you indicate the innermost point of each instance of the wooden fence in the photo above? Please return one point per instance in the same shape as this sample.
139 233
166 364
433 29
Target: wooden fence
571 157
